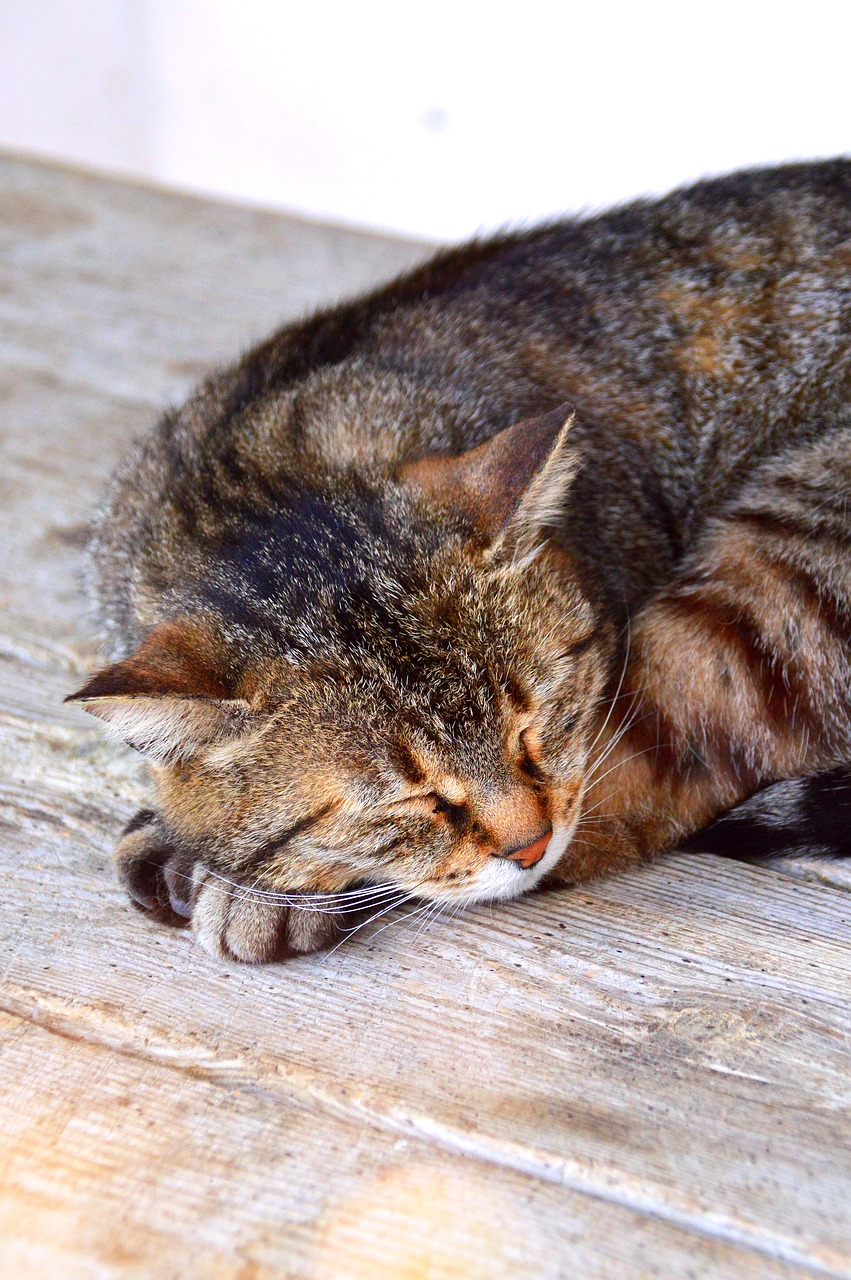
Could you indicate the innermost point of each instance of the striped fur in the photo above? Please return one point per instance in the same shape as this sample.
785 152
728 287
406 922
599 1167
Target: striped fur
548 536
801 815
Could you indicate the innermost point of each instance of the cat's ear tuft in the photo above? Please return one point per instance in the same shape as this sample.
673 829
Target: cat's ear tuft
512 488
173 696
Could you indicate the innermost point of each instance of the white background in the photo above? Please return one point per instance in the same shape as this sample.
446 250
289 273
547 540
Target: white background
437 119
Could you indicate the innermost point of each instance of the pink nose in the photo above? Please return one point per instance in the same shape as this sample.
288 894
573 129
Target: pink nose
531 853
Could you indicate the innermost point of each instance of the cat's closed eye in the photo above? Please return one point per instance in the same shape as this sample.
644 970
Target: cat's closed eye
528 754
430 802
445 807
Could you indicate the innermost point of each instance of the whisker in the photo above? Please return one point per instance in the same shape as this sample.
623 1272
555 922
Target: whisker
588 844
437 915
618 737
414 914
457 909
350 933
587 813
321 903
627 718
621 763
343 895
434 910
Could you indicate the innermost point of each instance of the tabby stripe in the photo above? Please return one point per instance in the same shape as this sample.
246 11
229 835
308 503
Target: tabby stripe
298 828
390 845
581 645
783 700
142 819
793 527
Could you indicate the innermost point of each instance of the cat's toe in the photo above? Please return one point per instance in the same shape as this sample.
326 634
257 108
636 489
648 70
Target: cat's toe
180 888
154 878
235 924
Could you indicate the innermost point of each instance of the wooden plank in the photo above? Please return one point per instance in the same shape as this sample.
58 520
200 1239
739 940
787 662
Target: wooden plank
817 868
675 1043
653 1072
137 292
116 1166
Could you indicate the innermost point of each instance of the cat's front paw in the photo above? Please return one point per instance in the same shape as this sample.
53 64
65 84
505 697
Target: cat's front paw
231 921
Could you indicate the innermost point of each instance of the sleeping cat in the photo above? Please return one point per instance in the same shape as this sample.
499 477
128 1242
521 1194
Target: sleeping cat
519 571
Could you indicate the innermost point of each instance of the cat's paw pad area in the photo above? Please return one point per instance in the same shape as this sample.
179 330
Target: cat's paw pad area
237 924
230 921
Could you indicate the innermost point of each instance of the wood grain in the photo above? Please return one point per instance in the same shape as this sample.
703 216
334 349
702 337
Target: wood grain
646 1078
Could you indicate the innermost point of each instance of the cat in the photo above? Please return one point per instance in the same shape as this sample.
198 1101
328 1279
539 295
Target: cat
524 569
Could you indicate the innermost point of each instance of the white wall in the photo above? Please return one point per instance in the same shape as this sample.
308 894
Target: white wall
435 119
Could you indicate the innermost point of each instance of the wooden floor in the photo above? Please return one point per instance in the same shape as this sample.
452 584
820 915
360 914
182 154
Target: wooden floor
650 1077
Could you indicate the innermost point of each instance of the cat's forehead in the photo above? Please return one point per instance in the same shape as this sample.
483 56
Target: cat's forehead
414 711
446 657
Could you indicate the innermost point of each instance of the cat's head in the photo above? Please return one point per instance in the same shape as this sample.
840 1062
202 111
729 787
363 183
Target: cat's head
387 679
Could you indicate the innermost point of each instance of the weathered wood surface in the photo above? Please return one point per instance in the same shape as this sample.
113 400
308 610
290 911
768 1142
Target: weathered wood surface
646 1078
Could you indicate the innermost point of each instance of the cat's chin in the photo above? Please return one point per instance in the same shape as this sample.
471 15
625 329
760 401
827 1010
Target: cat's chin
501 879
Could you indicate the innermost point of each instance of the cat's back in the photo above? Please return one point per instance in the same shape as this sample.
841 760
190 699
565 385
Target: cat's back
693 332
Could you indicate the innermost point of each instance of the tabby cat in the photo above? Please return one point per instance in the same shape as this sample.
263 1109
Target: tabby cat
521 570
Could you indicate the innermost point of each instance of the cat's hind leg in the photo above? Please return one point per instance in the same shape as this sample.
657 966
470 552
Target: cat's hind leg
798 815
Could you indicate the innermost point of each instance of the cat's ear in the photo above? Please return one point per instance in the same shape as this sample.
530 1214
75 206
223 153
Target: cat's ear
173 696
512 487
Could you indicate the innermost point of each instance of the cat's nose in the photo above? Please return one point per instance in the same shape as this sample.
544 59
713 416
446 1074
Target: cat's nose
528 854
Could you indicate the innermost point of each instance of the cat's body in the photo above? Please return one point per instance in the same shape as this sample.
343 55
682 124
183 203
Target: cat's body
339 509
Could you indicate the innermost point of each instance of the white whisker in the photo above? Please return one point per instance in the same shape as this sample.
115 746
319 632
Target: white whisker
433 910
440 914
621 763
414 914
350 933
624 729
321 903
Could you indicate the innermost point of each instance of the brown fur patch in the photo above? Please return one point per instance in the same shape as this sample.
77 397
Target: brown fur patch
714 325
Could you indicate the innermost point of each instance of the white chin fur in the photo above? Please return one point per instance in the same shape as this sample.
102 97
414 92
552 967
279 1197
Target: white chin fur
500 878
